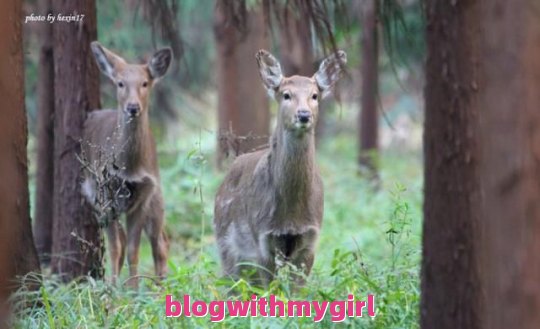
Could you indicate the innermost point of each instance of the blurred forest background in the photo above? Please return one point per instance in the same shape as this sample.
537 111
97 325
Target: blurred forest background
187 100
444 235
212 106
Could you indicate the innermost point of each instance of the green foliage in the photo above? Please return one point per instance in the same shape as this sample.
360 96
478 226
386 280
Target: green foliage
196 27
122 28
402 31
369 244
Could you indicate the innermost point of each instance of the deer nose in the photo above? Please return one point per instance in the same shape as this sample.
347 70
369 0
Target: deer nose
133 109
304 116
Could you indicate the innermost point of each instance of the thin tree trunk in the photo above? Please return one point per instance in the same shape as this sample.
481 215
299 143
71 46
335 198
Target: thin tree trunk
451 291
369 120
243 108
18 254
77 246
510 168
45 139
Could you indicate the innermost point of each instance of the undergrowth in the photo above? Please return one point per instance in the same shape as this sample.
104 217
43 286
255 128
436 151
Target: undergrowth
369 244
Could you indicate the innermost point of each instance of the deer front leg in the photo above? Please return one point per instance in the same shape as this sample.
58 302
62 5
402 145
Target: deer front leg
267 271
304 263
297 250
303 259
117 246
156 234
135 222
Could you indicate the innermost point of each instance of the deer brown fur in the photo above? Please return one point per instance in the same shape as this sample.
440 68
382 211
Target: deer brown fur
269 208
119 144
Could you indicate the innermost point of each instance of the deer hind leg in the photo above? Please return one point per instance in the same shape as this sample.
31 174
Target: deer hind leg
117 247
156 234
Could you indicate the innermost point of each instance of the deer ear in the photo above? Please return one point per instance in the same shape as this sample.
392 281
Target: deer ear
330 71
160 63
107 61
270 71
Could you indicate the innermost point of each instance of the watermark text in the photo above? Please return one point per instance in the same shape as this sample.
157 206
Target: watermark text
338 310
52 18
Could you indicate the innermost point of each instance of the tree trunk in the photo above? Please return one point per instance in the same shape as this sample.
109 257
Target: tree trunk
45 139
77 245
243 109
18 254
296 47
450 265
510 167
369 121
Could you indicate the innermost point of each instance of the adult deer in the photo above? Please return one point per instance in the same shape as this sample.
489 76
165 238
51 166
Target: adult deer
269 208
122 170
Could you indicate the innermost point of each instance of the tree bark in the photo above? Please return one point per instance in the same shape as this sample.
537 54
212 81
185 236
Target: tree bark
510 167
45 139
451 291
368 119
243 108
77 244
18 254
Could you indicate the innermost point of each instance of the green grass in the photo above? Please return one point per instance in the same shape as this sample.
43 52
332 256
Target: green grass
370 243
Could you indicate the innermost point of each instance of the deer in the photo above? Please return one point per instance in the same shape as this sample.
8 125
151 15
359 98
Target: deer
124 139
268 210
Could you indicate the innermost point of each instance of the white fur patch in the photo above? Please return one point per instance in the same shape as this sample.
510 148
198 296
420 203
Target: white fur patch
88 190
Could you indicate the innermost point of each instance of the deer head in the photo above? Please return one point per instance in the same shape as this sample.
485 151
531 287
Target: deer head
298 96
133 82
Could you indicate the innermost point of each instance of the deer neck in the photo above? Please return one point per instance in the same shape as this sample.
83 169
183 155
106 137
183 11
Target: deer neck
132 137
292 165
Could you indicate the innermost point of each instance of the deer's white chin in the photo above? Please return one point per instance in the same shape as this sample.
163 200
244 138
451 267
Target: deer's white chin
301 126
128 116
299 129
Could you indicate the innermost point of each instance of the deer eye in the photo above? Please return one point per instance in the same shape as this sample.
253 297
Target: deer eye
314 97
120 84
145 84
286 96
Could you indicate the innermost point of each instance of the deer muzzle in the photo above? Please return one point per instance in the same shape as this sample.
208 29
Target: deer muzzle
304 116
133 110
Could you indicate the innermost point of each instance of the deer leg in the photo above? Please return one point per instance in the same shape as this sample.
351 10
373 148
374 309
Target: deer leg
137 216
135 222
228 262
267 272
158 239
117 244
160 248
304 255
304 263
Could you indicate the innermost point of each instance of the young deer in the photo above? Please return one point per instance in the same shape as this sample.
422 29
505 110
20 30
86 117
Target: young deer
269 208
123 138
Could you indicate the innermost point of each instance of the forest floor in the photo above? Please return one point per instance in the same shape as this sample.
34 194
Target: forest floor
369 244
